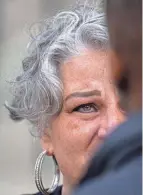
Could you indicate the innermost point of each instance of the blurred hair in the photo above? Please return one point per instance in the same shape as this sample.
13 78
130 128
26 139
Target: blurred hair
125 29
38 90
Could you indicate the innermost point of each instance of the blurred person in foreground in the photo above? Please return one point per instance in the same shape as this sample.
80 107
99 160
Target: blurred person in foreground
66 92
117 167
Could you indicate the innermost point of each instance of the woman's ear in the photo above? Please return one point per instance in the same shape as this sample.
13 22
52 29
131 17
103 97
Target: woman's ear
47 145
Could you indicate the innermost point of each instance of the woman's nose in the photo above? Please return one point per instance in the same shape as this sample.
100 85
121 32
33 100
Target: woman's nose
112 118
115 118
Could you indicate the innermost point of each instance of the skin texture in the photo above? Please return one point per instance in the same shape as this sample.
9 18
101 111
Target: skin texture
90 110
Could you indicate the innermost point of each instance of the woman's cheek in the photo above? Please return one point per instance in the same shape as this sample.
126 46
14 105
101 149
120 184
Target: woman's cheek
87 132
75 132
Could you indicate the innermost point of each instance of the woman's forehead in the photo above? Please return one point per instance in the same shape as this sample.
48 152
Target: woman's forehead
88 70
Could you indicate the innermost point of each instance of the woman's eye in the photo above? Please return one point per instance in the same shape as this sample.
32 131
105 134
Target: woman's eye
86 108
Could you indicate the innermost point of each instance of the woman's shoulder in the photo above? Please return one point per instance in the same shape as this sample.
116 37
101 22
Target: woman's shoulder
56 192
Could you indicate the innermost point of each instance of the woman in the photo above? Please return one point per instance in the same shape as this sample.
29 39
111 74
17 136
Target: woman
66 91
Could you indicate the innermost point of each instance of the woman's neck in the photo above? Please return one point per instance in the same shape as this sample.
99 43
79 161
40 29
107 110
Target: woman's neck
67 187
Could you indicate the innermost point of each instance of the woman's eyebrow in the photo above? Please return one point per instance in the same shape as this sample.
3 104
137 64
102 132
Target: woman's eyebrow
83 94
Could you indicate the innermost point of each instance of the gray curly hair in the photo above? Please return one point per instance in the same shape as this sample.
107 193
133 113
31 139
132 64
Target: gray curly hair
38 90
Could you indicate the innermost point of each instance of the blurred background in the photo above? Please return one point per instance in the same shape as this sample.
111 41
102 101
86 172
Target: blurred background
18 149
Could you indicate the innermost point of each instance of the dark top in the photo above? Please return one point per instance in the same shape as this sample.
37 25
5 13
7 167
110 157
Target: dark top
56 192
116 169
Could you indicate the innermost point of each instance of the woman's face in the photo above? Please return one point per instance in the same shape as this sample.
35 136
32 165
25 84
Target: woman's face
90 111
